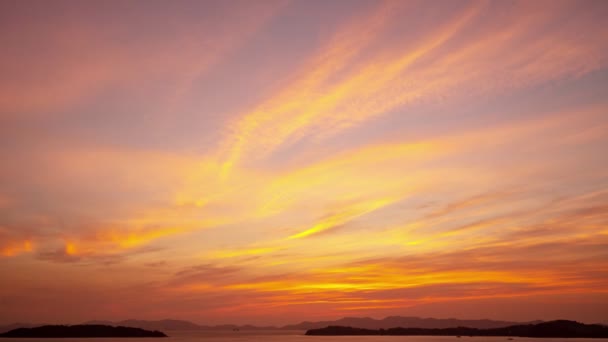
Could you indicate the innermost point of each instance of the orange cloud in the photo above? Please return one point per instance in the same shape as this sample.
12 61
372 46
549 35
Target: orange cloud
300 208
312 104
405 281
343 216
15 248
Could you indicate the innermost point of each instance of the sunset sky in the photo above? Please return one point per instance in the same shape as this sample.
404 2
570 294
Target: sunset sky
269 162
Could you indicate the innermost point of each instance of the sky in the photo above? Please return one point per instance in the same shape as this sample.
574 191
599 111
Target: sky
268 162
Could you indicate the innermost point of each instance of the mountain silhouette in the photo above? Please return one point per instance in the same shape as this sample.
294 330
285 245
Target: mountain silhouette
174 324
165 324
355 322
60 331
405 322
557 329
9 327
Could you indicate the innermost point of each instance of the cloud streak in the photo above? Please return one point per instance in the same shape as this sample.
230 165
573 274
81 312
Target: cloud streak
277 161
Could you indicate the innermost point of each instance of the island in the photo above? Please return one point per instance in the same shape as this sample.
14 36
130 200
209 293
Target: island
555 329
86 330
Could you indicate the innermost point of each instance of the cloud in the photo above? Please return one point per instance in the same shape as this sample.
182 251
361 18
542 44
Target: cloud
399 283
189 195
81 61
156 264
439 61
308 103
74 252
403 157
13 248
345 215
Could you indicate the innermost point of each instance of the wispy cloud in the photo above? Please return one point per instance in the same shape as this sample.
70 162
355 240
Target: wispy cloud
291 158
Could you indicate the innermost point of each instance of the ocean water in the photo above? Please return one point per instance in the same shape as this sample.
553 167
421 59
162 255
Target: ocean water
294 336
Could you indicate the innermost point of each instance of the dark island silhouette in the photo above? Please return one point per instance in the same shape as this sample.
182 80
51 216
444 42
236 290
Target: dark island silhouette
405 322
91 330
556 329
356 322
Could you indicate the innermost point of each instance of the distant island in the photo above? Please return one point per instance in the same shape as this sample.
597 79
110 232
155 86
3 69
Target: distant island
405 322
358 322
61 331
392 325
556 329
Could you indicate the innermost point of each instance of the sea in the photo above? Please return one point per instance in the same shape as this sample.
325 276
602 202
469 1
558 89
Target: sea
296 336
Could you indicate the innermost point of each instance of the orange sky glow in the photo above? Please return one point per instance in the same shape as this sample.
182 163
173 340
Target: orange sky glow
268 162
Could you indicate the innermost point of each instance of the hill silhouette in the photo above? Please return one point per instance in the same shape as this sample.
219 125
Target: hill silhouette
405 322
355 322
60 331
9 327
557 329
165 324
176 325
